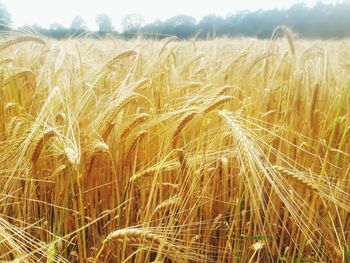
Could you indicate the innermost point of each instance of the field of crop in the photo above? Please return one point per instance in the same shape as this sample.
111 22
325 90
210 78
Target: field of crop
227 150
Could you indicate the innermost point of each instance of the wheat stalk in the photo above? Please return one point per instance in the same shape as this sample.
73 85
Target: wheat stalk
167 41
133 145
172 201
144 237
137 121
216 103
119 57
45 137
183 122
152 170
120 104
21 39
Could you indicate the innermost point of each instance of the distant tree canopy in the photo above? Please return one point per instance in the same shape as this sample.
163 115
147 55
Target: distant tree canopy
132 22
211 25
78 23
78 26
104 24
319 21
5 18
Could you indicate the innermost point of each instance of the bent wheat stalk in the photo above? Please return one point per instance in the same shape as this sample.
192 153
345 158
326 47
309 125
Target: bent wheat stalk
45 137
133 145
137 121
183 122
21 39
217 103
144 237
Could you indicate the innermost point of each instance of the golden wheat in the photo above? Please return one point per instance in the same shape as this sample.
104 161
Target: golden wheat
174 151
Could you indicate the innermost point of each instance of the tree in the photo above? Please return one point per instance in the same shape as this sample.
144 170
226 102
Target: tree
5 18
58 31
182 26
211 24
56 26
104 24
78 24
132 22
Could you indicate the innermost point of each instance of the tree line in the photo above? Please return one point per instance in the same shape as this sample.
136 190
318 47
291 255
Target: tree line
320 21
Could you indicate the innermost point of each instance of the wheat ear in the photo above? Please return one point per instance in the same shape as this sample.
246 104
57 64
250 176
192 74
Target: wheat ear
110 117
217 102
120 56
133 145
172 201
45 137
21 39
136 236
152 170
183 122
137 121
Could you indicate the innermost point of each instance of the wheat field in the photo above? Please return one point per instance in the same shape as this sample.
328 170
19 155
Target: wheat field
226 150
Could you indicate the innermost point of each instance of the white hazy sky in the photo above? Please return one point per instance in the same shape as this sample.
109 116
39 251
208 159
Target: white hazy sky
46 12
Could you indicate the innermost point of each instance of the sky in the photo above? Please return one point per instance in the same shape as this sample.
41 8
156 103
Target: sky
46 12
